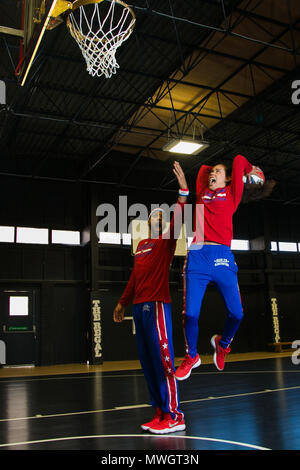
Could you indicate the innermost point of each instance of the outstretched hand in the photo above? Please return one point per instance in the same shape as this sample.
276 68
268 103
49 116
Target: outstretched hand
178 172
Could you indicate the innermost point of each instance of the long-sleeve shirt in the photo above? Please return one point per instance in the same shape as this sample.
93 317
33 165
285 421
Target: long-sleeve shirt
215 209
149 280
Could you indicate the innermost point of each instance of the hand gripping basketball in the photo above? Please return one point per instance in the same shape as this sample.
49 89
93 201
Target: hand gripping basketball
256 176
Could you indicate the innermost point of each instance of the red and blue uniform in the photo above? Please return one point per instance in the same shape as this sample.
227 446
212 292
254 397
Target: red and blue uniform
213 263
148 289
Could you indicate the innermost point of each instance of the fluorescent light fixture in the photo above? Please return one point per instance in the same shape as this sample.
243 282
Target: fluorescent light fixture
187 147
32 235
287 246
240 245
7 234
66 237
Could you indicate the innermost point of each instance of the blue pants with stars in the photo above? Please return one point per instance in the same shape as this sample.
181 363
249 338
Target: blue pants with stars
153 323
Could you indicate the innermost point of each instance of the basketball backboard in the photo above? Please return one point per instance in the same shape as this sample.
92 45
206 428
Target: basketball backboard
37 18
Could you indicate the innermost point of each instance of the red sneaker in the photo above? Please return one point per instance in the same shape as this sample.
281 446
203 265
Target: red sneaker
185 368
155 420
220 353
167 425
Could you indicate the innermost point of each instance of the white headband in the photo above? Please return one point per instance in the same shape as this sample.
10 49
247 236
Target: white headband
155 210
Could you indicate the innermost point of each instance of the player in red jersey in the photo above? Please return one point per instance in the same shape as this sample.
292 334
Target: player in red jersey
210 258
148 288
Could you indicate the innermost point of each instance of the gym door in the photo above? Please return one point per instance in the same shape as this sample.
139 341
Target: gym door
18 326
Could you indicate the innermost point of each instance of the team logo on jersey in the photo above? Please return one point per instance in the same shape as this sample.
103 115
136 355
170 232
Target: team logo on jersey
211 196
221 262
144 249
146 308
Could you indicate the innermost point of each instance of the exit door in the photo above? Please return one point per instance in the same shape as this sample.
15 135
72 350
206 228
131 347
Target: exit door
18 331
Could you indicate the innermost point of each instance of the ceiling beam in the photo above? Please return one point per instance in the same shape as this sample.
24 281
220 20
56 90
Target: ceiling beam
12 31
224 31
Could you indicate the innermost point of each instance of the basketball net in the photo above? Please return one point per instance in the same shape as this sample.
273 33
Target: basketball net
99 29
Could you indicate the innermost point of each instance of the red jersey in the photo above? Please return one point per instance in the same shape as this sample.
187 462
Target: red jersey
149 280
214 209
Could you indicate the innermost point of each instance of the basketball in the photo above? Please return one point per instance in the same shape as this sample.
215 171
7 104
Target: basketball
259 178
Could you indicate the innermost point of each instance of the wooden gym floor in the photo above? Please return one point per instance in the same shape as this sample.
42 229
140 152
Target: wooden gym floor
252 405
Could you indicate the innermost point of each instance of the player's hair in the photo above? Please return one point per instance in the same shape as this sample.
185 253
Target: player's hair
252 192
255 192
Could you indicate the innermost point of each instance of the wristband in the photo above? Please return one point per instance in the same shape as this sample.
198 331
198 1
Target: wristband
183 192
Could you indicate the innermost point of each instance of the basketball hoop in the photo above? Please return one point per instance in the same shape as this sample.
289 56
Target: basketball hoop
99 27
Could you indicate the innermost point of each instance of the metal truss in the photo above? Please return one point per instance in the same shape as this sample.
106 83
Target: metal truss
165 88
113 131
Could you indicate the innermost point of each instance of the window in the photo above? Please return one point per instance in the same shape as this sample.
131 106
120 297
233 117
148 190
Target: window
287 246
274 246
110 238
240 245
7 234
18 305
126 238
65 237
189 241
32 235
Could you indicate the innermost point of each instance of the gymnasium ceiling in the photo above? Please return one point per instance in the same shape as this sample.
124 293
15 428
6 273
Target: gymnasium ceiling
217 69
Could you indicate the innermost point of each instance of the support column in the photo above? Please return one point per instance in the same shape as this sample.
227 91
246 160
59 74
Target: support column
271 295
95 342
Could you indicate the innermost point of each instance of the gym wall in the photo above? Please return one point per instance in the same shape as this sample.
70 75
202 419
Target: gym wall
62 273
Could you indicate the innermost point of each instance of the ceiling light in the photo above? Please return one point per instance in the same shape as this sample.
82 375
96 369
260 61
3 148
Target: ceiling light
188 147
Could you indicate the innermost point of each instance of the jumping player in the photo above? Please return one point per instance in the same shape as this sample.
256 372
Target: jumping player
148 287
210 259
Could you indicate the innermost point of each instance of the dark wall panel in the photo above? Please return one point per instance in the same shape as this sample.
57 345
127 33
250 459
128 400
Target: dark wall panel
289 314
42 203
64 323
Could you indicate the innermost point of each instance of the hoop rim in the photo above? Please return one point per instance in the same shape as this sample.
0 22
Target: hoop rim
65 7
80 3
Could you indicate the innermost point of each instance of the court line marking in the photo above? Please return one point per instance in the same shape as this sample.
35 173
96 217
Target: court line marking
225 441
144 405
99 375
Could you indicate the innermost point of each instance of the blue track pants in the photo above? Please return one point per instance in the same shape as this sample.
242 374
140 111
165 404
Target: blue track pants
205 263
153 324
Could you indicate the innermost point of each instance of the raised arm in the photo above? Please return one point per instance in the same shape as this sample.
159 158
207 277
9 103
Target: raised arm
202 178
183 187
177 219
240 168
